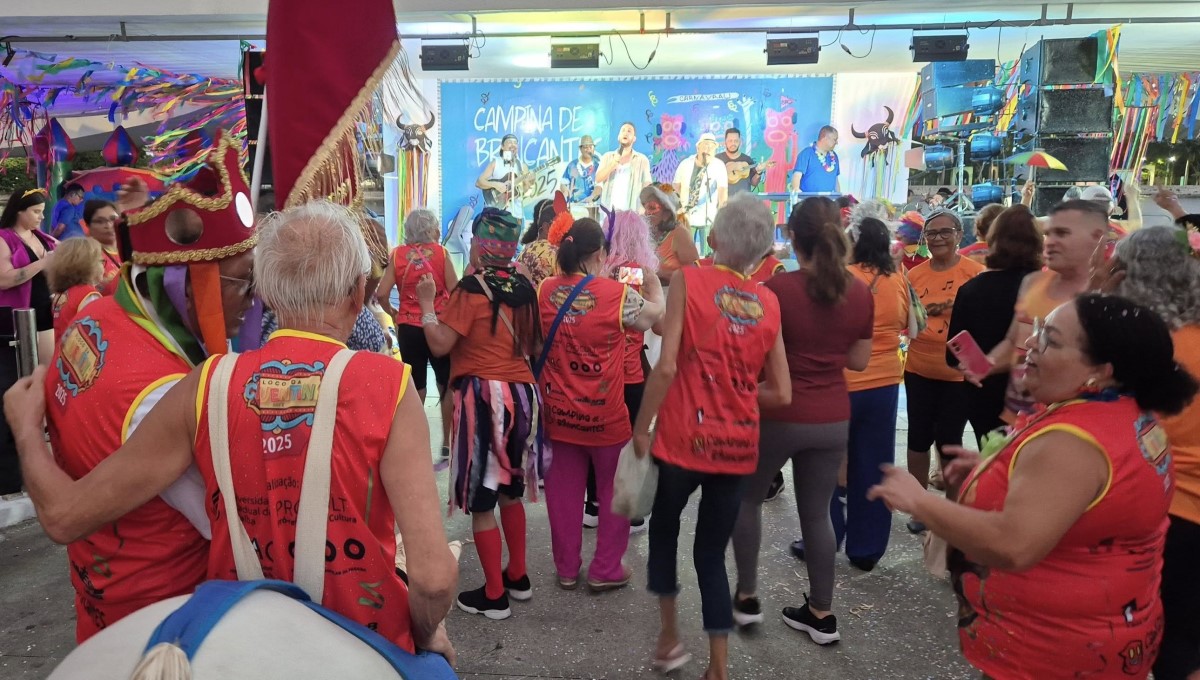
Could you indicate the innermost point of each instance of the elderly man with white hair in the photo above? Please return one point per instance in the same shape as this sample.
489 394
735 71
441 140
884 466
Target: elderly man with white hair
302 488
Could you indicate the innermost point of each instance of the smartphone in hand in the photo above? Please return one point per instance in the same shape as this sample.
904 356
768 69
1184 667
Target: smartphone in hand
632 276
970 357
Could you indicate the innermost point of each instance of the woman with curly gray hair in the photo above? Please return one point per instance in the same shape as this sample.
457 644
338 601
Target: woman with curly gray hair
1155 267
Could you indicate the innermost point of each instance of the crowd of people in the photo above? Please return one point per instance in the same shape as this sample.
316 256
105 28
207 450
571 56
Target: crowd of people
1072 525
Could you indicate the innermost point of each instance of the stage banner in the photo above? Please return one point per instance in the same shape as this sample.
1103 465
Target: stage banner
778 116
869 114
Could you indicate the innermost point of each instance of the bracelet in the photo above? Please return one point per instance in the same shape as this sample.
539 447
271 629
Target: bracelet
429 319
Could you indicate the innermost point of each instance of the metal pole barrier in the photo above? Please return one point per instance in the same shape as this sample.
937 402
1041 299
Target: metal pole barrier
26 342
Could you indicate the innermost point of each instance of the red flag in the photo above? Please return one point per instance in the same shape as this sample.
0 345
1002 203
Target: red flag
325 63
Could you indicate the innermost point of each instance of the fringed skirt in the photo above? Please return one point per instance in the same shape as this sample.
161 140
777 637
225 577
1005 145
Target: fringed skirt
496 443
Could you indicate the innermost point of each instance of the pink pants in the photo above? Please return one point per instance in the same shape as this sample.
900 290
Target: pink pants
566 484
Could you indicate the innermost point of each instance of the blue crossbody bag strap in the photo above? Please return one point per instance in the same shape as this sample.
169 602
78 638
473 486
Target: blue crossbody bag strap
562 312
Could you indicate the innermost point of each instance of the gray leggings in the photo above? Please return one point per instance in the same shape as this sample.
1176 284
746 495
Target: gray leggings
816 452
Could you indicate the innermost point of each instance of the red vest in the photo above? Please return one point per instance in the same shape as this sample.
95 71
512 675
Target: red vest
583 382
635 339
67 304
272 398
410 264
1091 606
112 269
770 266
709 419
103 367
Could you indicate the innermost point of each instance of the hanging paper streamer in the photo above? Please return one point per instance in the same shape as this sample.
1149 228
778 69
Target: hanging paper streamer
1175 98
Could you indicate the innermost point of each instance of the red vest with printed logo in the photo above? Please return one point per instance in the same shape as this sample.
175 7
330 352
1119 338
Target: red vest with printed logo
1091 606
708 421
103 367
272 398
411 263
583 381
67 303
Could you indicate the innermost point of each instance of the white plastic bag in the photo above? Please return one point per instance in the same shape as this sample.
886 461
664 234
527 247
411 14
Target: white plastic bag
634 485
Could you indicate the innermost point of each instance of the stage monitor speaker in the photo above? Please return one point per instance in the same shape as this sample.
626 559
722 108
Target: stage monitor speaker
939 47
954 73
785 51
1065 112
1086 159
252 60
445 57
1046 196
1065 61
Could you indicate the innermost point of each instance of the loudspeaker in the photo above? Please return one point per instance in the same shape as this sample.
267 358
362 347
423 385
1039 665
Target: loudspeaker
1066 61
1045 197
784 51
1086 159
939 47
445 57
954 73
1057 112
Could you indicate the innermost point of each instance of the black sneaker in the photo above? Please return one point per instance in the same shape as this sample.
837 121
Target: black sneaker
520 589
776 487
747 611
863 563
822 631
591 515
798 548
637 526
477 602
916 527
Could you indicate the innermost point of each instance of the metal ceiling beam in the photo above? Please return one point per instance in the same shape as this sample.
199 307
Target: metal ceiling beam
928 26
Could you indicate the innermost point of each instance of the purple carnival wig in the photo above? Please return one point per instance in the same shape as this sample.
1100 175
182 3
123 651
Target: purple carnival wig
630 242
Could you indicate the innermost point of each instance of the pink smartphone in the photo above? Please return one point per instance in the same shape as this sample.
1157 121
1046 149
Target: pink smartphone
969 355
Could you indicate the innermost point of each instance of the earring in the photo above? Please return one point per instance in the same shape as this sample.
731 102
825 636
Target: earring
1091 383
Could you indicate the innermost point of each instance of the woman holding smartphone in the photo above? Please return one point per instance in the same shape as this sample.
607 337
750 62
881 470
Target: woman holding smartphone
984 310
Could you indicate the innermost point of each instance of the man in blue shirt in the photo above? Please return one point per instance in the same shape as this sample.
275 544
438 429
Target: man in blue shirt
580 175
817 167
67 219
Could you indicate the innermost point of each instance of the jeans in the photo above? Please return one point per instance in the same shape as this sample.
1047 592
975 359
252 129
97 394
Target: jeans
720 496
1180 651
866 525
565 485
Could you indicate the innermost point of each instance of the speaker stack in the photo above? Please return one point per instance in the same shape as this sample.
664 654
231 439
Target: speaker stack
254 90
1064 113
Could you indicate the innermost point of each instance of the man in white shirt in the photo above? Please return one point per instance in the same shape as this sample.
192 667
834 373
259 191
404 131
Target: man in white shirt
623 173
702 185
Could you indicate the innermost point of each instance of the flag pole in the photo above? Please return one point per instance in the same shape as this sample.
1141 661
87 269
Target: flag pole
260 154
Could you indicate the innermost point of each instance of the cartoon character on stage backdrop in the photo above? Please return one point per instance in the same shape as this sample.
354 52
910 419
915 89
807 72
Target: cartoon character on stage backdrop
879 136
780 136
877 174
667 146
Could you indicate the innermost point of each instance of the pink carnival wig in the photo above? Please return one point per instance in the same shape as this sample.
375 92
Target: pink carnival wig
630 242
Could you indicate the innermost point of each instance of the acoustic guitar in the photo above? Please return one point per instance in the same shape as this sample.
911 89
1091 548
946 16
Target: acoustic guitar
523 185
740 170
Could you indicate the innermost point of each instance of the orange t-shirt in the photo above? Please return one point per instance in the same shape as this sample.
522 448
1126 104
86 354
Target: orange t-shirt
927 351
1183 431
668 261
891 319
480 352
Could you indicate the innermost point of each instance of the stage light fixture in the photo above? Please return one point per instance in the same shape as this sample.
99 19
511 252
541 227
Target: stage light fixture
445 57
939 47
986 101
575 55
938 157
985 147
787 51
988 192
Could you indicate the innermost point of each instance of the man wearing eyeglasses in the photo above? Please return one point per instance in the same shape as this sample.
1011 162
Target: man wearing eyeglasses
186 293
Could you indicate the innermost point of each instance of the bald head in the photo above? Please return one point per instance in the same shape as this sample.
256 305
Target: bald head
312 262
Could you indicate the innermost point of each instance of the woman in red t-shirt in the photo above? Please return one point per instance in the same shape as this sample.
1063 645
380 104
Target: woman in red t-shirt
1057 537
421 254
489 328
720 332
582 389
827 328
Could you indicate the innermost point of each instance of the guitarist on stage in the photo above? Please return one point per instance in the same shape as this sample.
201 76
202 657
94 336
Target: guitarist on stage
499 179
744 174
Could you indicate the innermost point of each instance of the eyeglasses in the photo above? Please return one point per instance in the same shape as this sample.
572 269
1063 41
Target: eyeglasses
245 287
935 234
104 220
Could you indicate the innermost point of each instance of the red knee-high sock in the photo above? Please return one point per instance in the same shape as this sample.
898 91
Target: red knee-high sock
487 544
512 517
